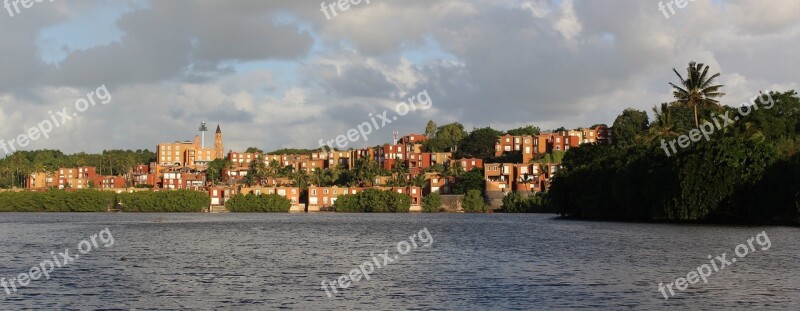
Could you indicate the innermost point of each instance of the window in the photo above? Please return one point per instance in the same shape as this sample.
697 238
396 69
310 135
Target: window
324 191
313 191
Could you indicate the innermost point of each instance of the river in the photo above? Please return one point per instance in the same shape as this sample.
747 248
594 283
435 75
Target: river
472 262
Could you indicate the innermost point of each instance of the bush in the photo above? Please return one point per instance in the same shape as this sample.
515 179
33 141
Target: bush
373 201
432 203
474 203
258 203
165 201
56 201
534 203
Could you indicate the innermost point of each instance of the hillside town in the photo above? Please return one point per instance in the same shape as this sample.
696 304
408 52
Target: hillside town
406 167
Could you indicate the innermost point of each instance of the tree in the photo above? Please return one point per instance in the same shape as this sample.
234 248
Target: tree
630 123
478 144
472 180
430 129
527 130
473 202
432 203
254 150
698 89
215 168
447 138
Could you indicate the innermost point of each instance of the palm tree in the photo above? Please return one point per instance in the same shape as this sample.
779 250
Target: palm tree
697 89
663 125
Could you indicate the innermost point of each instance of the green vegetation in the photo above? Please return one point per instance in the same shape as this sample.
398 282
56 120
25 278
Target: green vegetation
527 130
432 203
100 201
472 180
173 201
258 203
628 125
373 201
447 138
17 166
56 201
474 203
748 172
534 203
557 156
254 150
478 144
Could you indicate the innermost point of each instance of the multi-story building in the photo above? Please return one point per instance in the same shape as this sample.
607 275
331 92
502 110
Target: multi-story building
291 193
441 158
439 183
323 198
190 153
238 158
77 178
143 174
183 180
40 181
418 162
110 182
469 164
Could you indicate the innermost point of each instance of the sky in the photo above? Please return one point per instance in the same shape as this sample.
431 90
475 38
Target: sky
281 74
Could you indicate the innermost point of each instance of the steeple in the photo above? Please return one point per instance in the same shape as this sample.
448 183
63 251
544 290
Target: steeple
219 148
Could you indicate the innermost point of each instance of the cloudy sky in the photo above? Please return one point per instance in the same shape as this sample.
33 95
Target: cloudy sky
279 74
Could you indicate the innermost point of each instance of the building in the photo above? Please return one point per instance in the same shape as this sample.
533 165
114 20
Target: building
323 198
238 158
469 164
77 178
183 180
40 181
190 153
291 193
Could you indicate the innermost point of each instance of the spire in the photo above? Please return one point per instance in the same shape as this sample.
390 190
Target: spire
218 130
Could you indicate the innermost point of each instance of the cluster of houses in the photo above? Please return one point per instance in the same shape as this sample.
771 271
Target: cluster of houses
183 165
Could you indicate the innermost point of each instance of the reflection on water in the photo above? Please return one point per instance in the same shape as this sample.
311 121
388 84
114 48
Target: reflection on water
498 262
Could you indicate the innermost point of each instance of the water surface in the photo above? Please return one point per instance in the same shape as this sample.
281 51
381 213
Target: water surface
490 262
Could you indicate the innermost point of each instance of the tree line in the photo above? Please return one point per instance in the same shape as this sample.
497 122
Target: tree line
747 172
15 168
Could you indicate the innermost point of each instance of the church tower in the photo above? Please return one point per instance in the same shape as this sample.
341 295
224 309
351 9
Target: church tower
219 149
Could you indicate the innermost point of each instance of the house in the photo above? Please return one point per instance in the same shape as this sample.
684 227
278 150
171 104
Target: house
291 193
